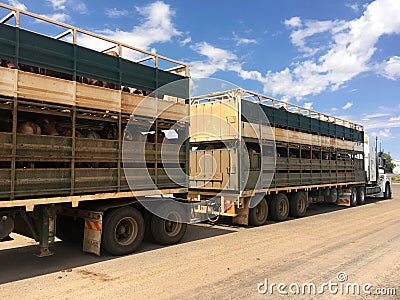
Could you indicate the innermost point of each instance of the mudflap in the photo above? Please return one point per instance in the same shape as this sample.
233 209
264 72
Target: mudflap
92 233
344 197
242 212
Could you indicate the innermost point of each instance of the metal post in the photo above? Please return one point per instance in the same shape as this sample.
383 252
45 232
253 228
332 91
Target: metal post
44 233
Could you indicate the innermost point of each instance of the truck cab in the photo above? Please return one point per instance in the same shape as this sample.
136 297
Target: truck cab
378 182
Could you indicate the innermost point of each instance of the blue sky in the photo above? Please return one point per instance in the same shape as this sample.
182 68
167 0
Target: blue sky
337 57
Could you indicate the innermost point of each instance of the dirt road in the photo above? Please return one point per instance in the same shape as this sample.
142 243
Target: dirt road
362 243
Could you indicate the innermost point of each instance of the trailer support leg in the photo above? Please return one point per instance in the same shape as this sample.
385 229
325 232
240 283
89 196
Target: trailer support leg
44 233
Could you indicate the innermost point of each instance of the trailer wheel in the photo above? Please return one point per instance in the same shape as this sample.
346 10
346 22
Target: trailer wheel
258 214
388 192
298 205
148 236
360 195
353 197
123 230
69 229
171 230
279 207
334 195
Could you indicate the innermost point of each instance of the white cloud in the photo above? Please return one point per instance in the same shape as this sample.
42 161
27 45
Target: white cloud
373 116
60 17
293 22
116 13
156 27
68 5
58 4
348 49
17 4
243 41
391 68
185 41
353 6
376 124
308 105
80 7
347 105
217 60
385 134
213 53
312 28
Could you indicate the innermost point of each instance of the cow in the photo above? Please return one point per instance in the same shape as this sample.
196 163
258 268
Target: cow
23 67
68 132
48 126
28 127
109 132
7 64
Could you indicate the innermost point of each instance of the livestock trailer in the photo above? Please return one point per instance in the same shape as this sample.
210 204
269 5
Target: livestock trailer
253 156
81 137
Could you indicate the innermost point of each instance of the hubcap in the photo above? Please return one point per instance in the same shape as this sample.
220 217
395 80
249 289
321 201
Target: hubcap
126 231
261 211
171 225
301 204
283 207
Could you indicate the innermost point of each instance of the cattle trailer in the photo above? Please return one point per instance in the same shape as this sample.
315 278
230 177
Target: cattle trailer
66 114
254 157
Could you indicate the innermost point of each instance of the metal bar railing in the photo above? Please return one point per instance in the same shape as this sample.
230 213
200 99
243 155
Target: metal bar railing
275 103
16 12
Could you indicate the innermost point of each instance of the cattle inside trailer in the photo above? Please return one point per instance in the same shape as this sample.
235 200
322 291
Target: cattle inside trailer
67 113
254 157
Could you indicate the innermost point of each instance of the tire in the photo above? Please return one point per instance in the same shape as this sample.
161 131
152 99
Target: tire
148 236
123 230
360 195
258 214
388 192
334 195
353 197
170 231
279 207
298 204
69 229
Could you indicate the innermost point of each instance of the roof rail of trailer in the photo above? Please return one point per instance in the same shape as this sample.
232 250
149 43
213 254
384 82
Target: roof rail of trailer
178 67
275 103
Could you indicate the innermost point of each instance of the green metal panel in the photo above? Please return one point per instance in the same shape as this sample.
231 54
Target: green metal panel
43 148
7 41
283 118
293 121
42 182
137 75
305 123
340 131
324 128
5 182
97 65
42 51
